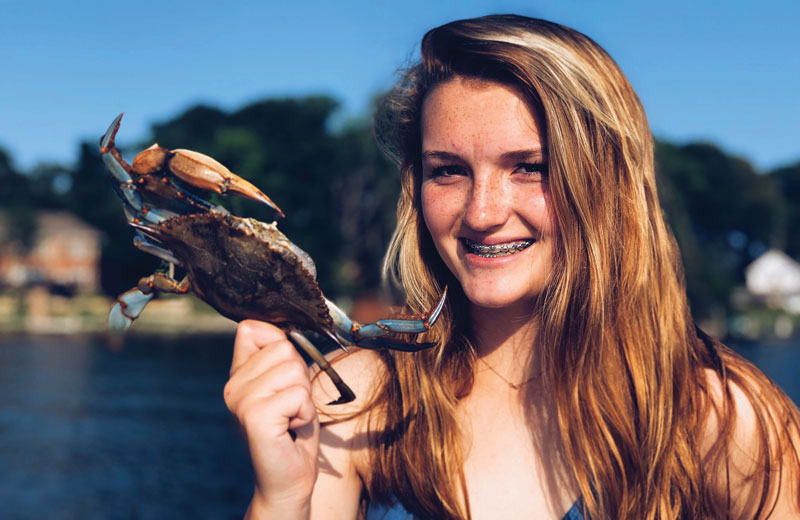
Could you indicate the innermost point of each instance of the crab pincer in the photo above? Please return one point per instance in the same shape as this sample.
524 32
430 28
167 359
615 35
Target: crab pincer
147 183
199 170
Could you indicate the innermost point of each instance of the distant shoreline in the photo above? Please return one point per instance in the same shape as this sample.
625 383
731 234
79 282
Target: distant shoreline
38 313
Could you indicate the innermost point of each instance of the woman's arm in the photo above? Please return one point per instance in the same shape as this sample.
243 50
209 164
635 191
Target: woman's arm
300 471
270 394
343 437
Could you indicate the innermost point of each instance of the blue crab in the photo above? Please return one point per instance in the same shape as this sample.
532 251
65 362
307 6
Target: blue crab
243 268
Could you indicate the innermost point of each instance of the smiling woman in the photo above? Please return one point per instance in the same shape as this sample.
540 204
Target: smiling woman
485 192
567 379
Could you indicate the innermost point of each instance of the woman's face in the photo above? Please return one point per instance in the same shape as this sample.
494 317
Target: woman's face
485 193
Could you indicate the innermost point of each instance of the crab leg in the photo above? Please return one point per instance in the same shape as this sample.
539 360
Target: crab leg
137 214
159 282
130 304
128 307
378 334
120 170
345 394
141 242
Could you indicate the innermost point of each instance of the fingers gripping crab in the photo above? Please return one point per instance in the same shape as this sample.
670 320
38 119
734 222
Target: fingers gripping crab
243 268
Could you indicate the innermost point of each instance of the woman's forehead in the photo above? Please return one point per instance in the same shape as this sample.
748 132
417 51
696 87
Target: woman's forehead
466 116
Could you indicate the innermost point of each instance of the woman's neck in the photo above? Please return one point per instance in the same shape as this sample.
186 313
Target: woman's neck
505 339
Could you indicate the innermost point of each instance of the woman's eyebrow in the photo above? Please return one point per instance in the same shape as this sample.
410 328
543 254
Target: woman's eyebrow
442 156
533 154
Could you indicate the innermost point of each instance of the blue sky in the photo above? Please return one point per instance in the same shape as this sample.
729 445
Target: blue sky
728 72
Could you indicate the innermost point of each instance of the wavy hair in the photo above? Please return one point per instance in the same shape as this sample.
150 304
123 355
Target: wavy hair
630 375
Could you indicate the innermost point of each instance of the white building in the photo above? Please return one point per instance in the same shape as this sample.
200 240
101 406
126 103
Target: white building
775 278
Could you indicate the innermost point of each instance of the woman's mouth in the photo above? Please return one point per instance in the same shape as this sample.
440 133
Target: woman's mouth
484 251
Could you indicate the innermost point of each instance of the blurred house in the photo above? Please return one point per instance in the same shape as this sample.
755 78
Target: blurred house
774 278
64 254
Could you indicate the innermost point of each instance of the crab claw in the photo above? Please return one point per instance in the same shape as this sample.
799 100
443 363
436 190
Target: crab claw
382 333
200 171
111 157
107 141
346 395
128 307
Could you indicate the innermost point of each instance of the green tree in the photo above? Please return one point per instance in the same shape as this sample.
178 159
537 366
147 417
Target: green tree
285 147
787 179
16 203
723 214
364 199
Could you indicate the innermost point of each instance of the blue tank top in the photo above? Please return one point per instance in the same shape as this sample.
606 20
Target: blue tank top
396 511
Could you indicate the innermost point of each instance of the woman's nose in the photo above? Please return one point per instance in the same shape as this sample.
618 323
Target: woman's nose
488 205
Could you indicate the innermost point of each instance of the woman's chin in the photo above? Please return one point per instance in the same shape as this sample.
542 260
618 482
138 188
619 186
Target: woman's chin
498 300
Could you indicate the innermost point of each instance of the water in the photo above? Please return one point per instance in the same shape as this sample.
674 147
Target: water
141 430
780 360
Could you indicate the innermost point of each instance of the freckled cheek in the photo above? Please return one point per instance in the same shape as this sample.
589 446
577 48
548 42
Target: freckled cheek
539 211
440 211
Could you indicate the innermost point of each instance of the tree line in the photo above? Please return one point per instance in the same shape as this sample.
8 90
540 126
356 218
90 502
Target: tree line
339 194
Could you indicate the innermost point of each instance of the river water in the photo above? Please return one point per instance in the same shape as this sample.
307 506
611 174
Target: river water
137 428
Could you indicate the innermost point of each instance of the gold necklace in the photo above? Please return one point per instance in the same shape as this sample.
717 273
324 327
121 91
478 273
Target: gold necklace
514 386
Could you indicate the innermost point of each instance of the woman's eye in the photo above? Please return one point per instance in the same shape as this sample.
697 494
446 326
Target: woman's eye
447 171
537 169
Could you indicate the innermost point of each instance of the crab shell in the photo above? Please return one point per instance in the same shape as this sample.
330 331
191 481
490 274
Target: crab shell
247 269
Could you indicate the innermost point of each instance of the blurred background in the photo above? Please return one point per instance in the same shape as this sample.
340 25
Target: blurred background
100 426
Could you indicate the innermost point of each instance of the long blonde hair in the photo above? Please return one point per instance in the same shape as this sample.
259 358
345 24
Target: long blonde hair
625 364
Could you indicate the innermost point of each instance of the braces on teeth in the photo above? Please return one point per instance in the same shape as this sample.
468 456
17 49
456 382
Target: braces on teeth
497 250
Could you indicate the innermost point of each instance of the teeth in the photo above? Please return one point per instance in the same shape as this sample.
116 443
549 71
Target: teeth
498 249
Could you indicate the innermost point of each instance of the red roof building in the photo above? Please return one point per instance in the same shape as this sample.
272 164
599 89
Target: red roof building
65 252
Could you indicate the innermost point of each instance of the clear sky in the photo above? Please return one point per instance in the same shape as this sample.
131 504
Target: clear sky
724 71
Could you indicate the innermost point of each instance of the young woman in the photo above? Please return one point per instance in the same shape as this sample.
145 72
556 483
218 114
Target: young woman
568 379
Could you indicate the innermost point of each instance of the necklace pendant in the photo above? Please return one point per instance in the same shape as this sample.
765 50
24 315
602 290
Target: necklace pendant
513 386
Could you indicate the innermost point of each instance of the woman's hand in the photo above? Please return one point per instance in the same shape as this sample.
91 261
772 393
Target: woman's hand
270 393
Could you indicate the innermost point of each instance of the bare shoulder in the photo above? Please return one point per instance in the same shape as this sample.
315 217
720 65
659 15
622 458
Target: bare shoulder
751 440
733 396
755 404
